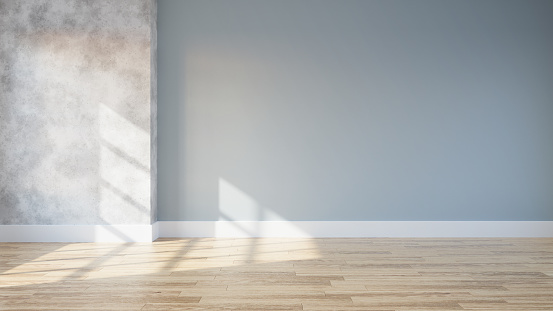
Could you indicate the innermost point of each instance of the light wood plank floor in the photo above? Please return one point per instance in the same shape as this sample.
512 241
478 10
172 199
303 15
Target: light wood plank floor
280 274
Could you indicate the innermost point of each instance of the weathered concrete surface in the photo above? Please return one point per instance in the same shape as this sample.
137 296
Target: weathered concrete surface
153 107
77 112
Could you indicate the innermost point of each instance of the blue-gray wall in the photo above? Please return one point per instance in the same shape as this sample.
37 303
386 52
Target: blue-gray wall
355 110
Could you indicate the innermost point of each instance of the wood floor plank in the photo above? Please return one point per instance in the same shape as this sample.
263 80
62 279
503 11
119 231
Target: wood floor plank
280 274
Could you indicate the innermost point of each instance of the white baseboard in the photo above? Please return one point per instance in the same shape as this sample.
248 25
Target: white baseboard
155 230
320 229
291 229
77 233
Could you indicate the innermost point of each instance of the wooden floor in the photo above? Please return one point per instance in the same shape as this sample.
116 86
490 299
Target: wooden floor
280 274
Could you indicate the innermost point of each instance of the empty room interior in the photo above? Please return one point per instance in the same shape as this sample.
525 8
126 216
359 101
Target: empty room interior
386 155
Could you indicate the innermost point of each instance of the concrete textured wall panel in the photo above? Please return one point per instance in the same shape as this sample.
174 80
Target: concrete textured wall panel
75 112
153 114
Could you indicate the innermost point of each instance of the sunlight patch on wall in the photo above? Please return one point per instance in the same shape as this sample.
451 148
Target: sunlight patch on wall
235 204
119 133
241 215
124 167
